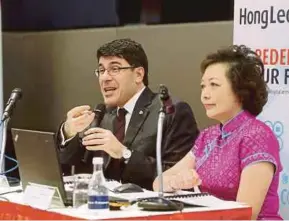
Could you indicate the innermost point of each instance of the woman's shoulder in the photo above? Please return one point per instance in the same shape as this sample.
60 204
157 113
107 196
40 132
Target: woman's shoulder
260 139
259 143
260 130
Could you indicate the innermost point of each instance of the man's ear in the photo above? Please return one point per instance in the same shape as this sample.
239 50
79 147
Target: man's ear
140 72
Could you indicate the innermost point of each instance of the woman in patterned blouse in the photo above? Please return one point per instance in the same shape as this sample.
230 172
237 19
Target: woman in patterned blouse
238 159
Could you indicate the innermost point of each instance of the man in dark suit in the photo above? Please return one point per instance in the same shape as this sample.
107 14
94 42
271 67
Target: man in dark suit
127 134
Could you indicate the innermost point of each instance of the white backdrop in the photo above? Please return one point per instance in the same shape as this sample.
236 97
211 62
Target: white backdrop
264 26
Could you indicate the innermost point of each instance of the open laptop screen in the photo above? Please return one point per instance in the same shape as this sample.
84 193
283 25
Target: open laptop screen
38 159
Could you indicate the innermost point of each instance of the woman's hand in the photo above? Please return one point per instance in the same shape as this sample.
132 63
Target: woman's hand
185 179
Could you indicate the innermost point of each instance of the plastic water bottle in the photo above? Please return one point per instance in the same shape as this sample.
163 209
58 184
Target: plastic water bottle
97 191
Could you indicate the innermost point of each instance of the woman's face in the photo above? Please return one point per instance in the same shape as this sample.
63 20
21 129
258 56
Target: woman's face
217 95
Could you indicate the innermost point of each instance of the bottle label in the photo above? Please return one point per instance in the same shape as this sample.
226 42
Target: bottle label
98 202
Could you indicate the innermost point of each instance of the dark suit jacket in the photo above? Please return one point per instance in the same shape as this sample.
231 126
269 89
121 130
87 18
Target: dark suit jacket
179 133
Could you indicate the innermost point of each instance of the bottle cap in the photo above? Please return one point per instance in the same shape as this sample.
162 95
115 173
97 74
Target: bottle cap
97 160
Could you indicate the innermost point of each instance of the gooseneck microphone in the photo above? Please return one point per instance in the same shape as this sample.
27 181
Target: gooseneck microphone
166 108
161 203
99 112
15 96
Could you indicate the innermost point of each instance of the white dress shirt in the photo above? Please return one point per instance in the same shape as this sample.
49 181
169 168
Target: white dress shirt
129 107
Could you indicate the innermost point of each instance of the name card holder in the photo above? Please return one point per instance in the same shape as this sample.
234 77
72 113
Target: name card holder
42 196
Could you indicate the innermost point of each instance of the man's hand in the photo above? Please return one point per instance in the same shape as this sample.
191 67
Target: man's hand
77 120
101 139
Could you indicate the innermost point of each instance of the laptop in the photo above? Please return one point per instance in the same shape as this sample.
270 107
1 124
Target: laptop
36 153
37 156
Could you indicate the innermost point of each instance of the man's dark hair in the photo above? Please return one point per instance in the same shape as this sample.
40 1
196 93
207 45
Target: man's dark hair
246 74
129 50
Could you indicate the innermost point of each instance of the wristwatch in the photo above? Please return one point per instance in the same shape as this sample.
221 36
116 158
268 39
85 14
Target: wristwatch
126 153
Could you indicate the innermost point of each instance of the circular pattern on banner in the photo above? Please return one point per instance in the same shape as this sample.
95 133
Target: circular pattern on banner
278 129
285 178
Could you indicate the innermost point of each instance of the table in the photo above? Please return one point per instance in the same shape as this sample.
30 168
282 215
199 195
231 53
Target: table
14 211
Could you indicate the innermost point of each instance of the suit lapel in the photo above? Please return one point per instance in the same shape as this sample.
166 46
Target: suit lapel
109 125
138 117
110 120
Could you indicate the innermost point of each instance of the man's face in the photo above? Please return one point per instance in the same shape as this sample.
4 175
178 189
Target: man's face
118 80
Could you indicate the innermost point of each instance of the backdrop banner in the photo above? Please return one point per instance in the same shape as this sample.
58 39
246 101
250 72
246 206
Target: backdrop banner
263 25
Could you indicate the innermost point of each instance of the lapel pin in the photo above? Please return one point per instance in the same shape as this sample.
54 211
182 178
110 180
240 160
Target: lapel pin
140 112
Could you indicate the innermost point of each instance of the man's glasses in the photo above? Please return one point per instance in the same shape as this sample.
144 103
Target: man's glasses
112 71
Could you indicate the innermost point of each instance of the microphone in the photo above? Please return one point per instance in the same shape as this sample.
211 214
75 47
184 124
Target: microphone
166 100
99 112
10 105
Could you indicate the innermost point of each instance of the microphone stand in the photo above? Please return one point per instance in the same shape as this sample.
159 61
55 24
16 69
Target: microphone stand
160 202
6 115
162 115
3 178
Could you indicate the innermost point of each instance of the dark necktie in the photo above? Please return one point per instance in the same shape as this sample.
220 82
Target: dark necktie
116 165
120 124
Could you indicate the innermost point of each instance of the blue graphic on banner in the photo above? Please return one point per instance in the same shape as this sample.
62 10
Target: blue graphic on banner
278 128
285 178
284 194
